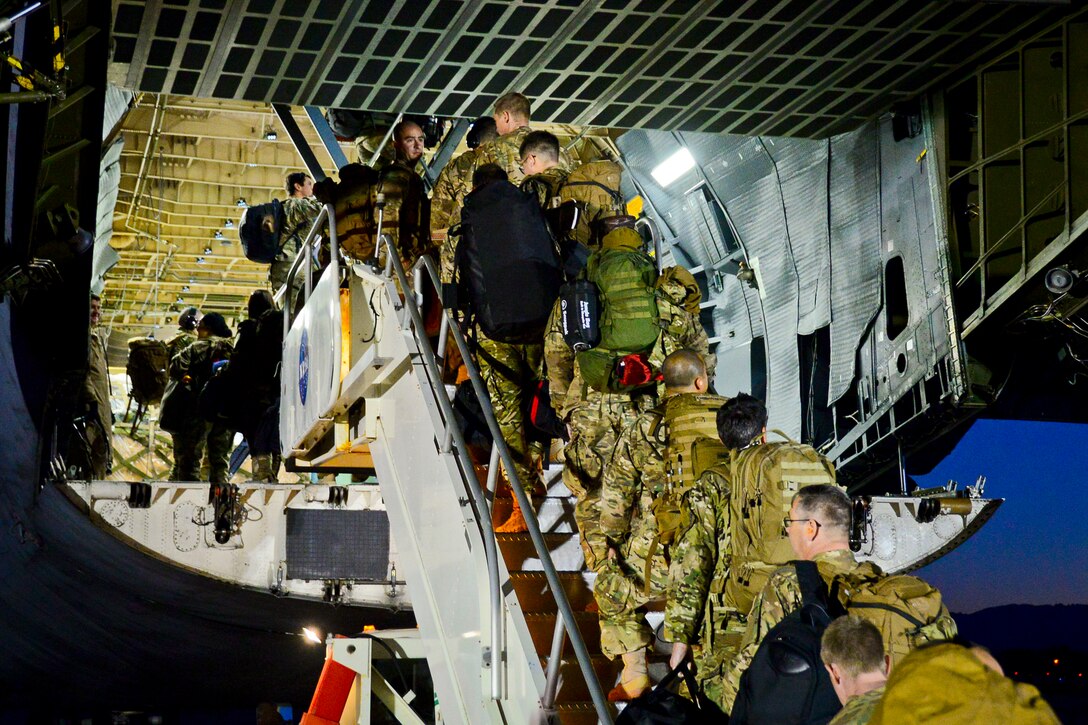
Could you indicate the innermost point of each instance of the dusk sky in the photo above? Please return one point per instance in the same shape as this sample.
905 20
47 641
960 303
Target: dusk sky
1035 548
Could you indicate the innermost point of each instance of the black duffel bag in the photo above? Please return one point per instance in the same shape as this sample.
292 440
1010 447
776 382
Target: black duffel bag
662 706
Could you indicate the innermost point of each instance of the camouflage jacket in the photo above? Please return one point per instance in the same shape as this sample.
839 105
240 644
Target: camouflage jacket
859 710
450 189
407 214
299 213
781 596
699 557
196 360
629 485
506 152
177 343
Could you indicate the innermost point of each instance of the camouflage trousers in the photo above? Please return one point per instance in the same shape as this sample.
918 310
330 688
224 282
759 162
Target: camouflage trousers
620 592
189 447
497 360
594 428
714 655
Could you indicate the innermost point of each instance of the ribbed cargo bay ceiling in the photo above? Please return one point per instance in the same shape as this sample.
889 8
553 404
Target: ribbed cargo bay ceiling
808 68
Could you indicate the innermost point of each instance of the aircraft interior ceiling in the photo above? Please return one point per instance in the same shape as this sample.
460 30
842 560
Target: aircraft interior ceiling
761 67
205 71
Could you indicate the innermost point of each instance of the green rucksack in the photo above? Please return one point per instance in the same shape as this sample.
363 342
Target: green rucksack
625 277
764 478
687 426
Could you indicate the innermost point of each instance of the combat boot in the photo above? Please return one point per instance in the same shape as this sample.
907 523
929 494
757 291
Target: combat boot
262 468
633 679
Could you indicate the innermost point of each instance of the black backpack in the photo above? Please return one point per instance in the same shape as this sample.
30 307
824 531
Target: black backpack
787 682
262 232
507 263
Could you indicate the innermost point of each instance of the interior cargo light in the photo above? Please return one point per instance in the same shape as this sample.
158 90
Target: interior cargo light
218 234
673 167
312 635
241 203
228 223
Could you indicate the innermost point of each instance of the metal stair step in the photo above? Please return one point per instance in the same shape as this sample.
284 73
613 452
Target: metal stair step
573 688
542 626
578 713
555 515
520 554
535 595
572 685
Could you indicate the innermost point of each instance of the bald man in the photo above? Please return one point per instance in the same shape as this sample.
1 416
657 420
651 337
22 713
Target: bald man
408 143
632 482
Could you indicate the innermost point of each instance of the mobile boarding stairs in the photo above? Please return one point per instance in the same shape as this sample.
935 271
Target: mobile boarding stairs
502 618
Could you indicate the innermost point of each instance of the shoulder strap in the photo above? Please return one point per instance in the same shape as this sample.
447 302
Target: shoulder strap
813 589
889 608
611 192
780 434
502 368
289 237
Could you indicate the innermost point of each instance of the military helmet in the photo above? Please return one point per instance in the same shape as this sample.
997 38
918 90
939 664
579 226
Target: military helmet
189 319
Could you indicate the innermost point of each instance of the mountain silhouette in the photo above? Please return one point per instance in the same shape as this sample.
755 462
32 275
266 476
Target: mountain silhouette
1027 626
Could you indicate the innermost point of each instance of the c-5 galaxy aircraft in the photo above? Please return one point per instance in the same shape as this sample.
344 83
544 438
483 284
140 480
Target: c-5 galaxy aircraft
883 202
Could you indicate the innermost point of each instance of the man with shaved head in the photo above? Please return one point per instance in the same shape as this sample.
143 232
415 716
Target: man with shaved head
408 143
631 484
407 213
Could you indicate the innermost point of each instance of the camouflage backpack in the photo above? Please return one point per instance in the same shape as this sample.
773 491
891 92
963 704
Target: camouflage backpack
764 478
595 189
147 366
687 426
625 279
354 201
907 611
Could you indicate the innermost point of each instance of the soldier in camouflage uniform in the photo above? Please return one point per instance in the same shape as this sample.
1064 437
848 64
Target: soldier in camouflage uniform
93 405
511 116
187 324
853 652
698 615
630 484
539 153
455 180
193 365
406 217
819 530
300 209
595 419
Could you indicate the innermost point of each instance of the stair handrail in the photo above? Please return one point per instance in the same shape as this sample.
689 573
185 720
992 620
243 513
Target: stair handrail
426 264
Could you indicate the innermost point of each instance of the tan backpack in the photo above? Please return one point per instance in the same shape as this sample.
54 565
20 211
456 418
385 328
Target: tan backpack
688 427
595 189
764 478
907 611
